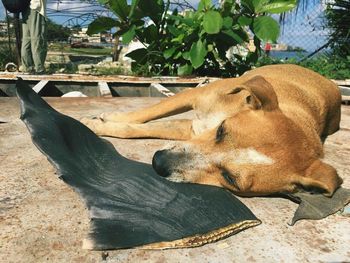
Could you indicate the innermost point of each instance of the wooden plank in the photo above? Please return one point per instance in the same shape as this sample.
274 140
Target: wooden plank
109 79
161 89
105 91
40 86
344 90
73 94
345 100
345 82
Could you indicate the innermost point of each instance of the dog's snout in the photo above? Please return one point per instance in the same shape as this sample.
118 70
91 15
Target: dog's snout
160 163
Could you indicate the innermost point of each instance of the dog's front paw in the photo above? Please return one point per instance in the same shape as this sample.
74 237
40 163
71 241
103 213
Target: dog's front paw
114 116
96 125
121 117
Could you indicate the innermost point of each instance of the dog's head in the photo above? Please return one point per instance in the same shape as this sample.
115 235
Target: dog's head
256 151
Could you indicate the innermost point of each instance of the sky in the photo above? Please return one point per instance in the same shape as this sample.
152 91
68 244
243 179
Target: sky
298 31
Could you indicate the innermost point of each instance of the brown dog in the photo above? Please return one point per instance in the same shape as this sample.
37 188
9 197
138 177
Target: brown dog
258 134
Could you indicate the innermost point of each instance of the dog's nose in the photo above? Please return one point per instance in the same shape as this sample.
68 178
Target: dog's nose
160 163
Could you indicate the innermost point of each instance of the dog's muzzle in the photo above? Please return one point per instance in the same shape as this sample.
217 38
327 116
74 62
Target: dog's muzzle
161 162
166 162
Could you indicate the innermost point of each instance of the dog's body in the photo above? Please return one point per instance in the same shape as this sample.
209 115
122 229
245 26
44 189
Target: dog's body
258 134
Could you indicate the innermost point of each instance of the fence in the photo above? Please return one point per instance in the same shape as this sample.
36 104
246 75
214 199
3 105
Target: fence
302 33
305 31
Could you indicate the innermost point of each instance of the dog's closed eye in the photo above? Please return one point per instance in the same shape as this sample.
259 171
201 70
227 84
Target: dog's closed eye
220 133
229 178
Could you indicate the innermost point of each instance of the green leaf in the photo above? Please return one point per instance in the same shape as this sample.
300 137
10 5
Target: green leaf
139 55
186 55
248 4
204 4
227 22
268 6
245 21
169 52
153 9
174 31
258 3
184 70
128 35
180 19
150 33
266 28
189 14
227 5
101 24
178 39
120 8
235 37
177 55
276 6
212 22
133 6
197 54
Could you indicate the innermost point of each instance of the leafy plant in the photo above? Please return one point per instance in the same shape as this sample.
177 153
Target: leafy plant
193 41
6 54
338 20
56 32
329 65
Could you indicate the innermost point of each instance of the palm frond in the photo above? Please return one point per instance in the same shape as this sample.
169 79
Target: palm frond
301 7
338 21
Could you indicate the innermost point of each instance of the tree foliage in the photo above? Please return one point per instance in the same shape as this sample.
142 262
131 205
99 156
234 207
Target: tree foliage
338 20
7 54
57 32
193 41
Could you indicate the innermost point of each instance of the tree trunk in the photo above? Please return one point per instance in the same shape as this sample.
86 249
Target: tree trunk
116 49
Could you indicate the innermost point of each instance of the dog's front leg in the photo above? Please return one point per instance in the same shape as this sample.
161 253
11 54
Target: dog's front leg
171 130
181 102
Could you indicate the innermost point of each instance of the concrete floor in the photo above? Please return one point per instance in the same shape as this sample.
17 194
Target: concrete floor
42 220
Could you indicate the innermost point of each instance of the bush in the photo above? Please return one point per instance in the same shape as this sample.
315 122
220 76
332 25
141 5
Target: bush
332 66
68 68
328 65
338 21
57 32
193 41
7 55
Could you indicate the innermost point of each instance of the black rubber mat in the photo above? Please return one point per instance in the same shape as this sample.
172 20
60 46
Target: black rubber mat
129 204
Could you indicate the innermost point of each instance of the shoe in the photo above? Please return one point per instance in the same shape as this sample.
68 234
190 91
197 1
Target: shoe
26 71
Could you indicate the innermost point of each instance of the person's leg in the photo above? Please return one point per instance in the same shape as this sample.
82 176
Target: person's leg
26 52
38 43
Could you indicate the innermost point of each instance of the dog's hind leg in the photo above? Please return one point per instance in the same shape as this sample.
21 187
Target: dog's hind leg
181 102
332 122
171 130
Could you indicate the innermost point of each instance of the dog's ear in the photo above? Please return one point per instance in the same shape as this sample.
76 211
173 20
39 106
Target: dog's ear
261 94
320 177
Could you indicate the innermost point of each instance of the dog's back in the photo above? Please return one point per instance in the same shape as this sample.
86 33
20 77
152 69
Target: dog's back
304 96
